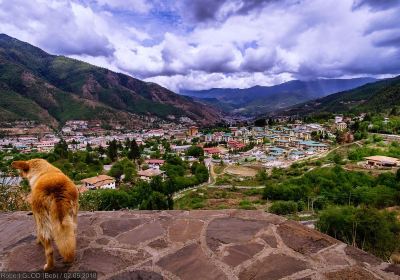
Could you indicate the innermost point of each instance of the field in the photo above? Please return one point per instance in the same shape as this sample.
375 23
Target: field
218 198
241 171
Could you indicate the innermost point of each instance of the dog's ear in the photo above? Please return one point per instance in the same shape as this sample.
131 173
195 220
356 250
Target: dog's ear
22 165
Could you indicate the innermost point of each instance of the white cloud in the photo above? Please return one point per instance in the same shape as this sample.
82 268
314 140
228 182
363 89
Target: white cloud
232 43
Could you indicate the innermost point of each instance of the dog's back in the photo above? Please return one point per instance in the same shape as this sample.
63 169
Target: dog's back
54 203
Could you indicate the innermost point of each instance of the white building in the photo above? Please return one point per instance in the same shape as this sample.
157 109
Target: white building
338 119
99 182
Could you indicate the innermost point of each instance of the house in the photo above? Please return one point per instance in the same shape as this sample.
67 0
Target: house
277 152
155 163
99 182
148 174
235 145
178 134
273 162
155 133
226 137
8 181
208 138
217 136
211 151
180 149
193 131
319 147
282 143
338 119
82 188
382 161
295 155
339 126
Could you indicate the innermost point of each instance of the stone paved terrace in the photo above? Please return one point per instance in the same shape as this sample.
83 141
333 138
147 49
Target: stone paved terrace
228 244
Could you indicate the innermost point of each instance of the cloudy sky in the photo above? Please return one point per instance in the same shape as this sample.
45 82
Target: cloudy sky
200 44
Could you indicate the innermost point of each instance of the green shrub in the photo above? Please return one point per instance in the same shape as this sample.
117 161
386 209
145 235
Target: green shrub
283 207
301 205
106 200
246 205
369 229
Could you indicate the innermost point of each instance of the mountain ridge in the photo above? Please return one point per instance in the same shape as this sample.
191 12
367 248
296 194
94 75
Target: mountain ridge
265 99
380 97
52 89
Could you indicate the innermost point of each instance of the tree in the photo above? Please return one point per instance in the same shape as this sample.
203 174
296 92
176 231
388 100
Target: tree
101 150
134 150
200 172
61 149
130 173
369 229
112 150
262 176
340 137
195 151
260 122
123 167
116 171
337 158
88 147
156 184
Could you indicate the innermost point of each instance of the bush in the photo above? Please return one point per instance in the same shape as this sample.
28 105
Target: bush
301 206
195 151
369 229
283 207
246 205
106 200
156 201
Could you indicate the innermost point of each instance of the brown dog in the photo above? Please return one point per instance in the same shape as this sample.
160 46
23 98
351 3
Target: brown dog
54 204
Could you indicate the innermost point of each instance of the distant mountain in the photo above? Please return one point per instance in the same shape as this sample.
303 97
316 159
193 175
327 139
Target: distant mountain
379 97
262 99
35 85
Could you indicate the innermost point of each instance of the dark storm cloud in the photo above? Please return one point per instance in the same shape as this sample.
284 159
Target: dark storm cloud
376 4
389 41
199 11
219 10
79 44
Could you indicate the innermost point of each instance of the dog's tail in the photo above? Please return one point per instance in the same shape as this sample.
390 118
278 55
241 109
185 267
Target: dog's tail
64 227
64 237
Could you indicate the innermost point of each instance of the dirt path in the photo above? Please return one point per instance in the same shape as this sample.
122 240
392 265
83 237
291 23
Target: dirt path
211 182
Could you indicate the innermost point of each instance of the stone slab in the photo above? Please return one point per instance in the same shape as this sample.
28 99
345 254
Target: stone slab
223 244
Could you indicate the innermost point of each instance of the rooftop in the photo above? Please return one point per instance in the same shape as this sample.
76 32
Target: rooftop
155 161
384 159
150 172
226 244
99 180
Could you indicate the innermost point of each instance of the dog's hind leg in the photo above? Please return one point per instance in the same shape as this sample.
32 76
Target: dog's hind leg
39 231
48 248
39 239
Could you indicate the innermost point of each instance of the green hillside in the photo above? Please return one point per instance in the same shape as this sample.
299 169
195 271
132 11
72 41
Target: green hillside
378 97
35 85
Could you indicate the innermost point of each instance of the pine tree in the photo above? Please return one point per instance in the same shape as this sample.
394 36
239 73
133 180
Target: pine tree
61 149
134 151
112 150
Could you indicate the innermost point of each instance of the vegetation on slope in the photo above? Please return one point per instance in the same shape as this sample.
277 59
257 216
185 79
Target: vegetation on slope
378 97
55 89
